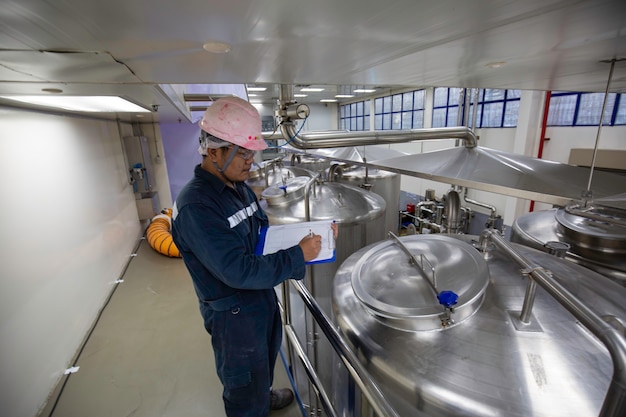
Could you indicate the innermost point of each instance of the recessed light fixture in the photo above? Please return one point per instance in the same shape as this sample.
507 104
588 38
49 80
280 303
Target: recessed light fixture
300 95
364 90
257 88
52 90
497 64
344 96
216 47
253 95
312 89
328 100
82 103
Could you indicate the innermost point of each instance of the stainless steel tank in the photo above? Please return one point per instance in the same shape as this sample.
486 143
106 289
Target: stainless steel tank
596 244
307 161
360 218
384 183
485 361
273 172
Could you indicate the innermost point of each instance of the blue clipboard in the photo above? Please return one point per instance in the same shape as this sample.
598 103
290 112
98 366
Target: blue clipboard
284 236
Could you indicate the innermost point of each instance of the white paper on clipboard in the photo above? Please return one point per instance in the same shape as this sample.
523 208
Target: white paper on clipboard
283 236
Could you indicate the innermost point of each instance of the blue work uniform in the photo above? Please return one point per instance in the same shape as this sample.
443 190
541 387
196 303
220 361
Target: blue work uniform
216 229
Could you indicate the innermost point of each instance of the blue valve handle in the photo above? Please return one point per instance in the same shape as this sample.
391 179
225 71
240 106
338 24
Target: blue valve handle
447 298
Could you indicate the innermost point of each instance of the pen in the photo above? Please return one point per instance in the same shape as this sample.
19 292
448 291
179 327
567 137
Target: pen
310 233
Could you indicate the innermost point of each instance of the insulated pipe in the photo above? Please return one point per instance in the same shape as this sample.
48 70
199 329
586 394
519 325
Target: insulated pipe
615 400
317 140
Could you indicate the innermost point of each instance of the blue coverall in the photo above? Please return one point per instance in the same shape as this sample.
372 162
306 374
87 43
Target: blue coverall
216 229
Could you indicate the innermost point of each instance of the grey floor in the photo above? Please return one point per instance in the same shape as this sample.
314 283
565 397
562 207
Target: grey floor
148 354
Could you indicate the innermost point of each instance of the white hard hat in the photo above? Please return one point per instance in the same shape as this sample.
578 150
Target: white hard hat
236 121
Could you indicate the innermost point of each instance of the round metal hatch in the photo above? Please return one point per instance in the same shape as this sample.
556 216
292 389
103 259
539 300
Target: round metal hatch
281 194
394 286
602 241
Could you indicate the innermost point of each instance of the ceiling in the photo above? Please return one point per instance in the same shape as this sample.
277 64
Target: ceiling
151 51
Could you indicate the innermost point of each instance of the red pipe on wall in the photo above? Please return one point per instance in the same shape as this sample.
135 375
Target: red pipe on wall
542 139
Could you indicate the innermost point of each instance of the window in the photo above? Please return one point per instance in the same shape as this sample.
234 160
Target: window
355 116
399 111
584 109
495 108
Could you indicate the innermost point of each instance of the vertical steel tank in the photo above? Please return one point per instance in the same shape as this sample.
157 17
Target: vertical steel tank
360 218
479 359
384 183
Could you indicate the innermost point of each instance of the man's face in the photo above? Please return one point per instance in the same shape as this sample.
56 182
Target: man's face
239 168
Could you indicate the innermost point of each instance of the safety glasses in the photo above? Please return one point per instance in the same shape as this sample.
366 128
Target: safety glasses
244 153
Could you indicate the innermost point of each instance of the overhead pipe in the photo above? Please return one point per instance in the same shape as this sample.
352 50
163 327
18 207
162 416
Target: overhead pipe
321 140
290 110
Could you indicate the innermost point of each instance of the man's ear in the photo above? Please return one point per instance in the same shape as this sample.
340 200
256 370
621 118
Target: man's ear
212 153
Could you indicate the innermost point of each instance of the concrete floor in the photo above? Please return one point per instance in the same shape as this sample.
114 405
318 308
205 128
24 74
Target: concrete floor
148 354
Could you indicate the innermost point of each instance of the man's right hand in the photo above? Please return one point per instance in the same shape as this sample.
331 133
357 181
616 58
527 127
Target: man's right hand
311 247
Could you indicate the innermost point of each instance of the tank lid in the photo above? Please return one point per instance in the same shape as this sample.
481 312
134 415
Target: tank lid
292 190
403 291
579 226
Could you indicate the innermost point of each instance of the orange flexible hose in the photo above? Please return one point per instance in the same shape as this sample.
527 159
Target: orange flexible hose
160 237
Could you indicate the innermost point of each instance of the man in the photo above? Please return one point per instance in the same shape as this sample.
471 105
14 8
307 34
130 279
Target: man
216 222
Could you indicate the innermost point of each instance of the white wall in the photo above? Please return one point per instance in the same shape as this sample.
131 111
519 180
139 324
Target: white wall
70 224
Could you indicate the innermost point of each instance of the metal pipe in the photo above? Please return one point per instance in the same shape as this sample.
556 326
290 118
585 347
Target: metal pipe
307 199
452 208
615 400
310 371
350 360
595 148
529 301
316 140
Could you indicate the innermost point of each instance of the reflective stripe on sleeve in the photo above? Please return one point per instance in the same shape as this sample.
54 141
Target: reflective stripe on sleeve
242 214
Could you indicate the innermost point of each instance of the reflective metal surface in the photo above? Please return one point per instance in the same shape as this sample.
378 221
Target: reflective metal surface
596 245
398 290
262 176
384 183
486 365
505 173
359 215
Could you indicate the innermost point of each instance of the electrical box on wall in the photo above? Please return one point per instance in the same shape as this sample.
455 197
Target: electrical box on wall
141 177
139 163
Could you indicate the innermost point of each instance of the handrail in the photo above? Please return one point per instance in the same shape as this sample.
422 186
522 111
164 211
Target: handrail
615 400
371 391
310 371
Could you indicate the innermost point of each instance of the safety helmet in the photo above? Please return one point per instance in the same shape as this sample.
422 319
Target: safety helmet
236 121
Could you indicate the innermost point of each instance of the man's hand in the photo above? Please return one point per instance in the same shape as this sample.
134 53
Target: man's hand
311 246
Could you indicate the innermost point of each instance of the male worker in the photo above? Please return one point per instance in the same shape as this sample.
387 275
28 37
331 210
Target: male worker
216 223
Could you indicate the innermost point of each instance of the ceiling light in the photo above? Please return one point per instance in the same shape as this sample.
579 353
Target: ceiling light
300 95
364 90
344 96
312 89
82 103
52 90
253 95
216 47
497 64
328 100
257 88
